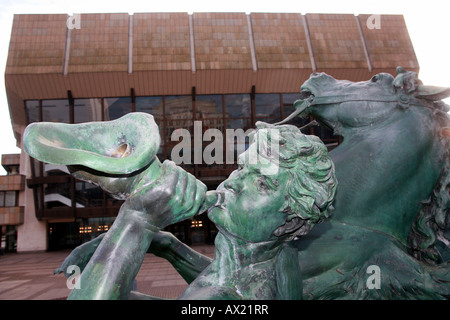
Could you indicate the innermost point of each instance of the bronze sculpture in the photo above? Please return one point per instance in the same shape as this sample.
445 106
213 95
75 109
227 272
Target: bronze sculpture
392 202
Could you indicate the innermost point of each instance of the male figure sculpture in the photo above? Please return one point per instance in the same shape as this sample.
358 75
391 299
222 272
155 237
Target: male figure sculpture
275 196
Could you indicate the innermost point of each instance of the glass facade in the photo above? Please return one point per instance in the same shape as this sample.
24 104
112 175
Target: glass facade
114 108
32 110
87 110
8 198
56 110
268 107
59 195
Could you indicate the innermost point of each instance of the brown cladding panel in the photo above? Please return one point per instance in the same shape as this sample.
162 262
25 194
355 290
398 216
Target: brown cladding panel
37 44
336 41
280 41
101 43
222 41
390 44
161 41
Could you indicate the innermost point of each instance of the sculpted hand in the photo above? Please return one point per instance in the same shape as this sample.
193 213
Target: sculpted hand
175 196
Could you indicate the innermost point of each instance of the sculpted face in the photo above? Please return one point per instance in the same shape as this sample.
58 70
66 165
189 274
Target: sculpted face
252 201
251 205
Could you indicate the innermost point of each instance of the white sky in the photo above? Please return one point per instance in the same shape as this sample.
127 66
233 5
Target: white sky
427 21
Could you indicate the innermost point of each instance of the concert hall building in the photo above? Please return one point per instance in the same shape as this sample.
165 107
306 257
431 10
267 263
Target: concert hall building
227 70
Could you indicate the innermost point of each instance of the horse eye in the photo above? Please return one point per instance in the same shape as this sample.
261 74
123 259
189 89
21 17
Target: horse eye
375 78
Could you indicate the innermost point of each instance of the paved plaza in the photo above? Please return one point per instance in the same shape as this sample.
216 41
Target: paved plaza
29 276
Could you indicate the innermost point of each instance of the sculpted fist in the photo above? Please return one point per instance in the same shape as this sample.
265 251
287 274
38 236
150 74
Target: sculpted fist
174 196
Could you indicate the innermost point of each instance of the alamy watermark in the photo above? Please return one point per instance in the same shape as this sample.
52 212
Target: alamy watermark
74 22
374 280
374 22
73 281
263 146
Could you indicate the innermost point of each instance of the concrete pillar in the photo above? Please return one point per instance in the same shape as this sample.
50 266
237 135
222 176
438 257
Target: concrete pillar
32 234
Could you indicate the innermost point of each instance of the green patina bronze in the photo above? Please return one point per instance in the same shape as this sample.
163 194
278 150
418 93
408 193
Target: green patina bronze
393 199
391 205
251 262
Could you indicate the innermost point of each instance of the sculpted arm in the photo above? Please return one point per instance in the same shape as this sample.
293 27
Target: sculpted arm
188 262
174 196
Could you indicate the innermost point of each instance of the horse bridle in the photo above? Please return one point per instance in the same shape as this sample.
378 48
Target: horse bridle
403 100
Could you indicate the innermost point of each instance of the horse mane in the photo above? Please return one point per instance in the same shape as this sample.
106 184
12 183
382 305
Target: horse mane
433 219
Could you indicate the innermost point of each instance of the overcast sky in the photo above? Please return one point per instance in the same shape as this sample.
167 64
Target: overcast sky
427 21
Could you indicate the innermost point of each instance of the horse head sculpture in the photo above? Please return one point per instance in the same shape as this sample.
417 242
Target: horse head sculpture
392 168
394 147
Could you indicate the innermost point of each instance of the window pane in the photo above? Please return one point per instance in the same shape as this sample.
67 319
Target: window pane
152 105
209 106
86 110
88 194
239 124
238 105
2 199
179 107
55 111
209 110
116 107
56 194
32 111
178 112
267 106
10 198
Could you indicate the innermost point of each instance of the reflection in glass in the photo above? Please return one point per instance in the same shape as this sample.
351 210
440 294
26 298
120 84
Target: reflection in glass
32 111
178 112
209 106
178 107
116 107
55 110
152 105
10 199
267 106
86 110
290 98
209 110
244 124
238 105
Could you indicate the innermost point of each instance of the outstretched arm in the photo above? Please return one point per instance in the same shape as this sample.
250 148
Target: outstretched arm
174 196
188 262
80 256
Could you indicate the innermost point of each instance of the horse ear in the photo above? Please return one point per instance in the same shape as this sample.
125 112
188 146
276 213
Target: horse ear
432 93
